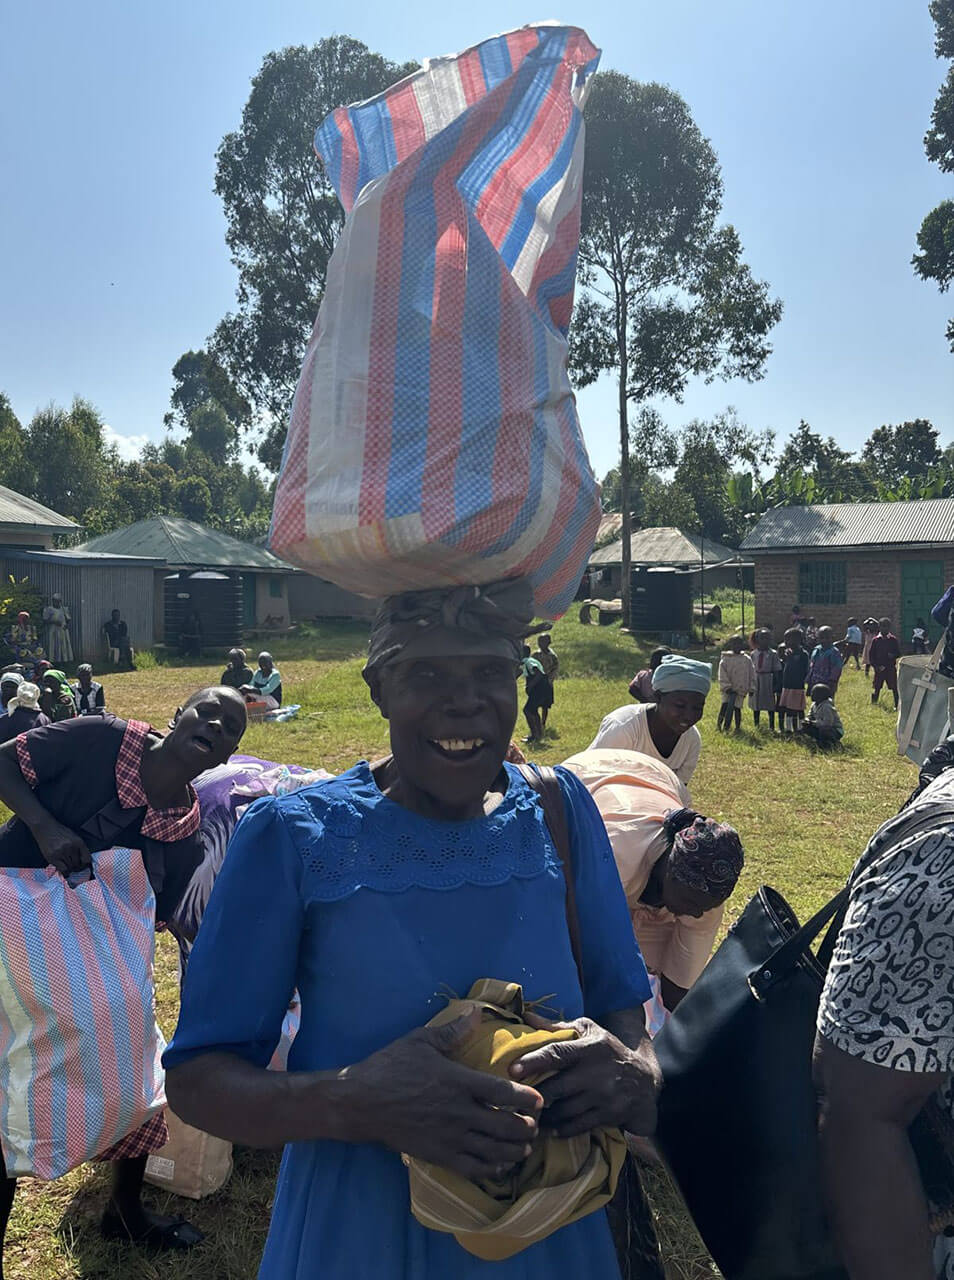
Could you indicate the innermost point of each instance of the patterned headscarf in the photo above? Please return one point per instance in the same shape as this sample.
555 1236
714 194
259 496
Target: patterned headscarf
491 620
706 855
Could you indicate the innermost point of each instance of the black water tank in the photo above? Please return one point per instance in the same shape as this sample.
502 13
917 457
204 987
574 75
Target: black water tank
660 600
216 597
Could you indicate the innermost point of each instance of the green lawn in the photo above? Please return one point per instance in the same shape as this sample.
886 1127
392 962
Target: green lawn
804 817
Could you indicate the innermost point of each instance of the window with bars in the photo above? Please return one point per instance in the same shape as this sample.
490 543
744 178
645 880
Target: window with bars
822 582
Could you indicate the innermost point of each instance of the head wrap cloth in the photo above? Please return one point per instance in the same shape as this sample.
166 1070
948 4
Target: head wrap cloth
27 695
490 620
706 855
688 675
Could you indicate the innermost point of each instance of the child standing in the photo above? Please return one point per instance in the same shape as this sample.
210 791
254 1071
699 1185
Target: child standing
546 656
884 654
871 630
736 679
768 665
919 637
794 674
824 722
853 642
827 662
641 685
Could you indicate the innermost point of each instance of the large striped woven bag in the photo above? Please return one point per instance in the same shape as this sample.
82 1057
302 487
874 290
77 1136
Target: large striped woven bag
434 438
80 1049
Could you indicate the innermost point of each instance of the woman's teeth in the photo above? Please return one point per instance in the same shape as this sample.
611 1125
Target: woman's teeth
452 745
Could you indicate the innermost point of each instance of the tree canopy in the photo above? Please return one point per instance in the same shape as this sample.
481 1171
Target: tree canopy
283 217
935 261
665 294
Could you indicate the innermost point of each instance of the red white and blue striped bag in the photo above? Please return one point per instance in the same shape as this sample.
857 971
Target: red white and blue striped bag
434 437
80 1051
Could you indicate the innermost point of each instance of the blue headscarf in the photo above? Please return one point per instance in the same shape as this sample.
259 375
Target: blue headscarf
685 674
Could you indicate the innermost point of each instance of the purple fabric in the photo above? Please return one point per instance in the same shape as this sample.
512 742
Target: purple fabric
219 807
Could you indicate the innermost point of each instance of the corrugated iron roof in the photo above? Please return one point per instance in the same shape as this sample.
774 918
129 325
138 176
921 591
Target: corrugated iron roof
855 524
183 544
73 555
17 510
664 546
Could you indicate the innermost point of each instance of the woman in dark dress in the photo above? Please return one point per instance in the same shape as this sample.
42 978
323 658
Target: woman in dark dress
98 782
23 712
237 673
89 694
56 696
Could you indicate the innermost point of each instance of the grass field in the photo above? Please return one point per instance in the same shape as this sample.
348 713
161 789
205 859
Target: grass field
804 816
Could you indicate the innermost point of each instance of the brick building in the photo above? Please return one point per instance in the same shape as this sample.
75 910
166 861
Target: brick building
893 559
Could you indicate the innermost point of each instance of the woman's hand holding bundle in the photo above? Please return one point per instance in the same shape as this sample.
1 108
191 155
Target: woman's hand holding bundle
595 1080
412 1098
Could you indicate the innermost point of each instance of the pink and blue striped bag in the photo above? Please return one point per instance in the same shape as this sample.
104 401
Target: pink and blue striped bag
434 438
80 1051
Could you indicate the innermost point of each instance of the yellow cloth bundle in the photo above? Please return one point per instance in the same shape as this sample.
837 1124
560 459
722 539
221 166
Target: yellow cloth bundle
563 1179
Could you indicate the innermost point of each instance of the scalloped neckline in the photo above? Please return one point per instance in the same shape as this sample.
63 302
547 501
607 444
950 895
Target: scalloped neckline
510 800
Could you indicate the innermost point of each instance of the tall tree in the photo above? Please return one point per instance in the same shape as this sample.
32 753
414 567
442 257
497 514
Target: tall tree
666 504
69 458
16 469
283 217
708 452
198 377
665 293
609 490
836 475
909 449
936 237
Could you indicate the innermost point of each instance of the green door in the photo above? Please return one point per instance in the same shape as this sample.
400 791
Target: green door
248 600
922 585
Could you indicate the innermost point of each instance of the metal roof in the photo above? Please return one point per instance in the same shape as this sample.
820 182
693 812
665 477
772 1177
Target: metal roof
17 512
72 555
664 546
855 524
183 544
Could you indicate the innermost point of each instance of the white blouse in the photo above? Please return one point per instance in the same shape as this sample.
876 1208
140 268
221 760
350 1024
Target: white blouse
627 729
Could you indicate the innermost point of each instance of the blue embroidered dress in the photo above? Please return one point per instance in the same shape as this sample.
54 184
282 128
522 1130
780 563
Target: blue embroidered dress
372 912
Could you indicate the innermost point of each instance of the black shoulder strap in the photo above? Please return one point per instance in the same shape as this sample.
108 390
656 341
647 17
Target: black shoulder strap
546 784
908 823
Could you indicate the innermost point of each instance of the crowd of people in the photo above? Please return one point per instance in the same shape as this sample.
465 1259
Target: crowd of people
429 871
37 650
794 682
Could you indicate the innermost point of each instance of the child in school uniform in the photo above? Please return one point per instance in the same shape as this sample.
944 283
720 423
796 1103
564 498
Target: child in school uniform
641 685
736 680
853 643
794 674
768 666
824 722
871 630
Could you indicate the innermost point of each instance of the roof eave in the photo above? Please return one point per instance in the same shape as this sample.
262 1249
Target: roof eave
853 546
22 526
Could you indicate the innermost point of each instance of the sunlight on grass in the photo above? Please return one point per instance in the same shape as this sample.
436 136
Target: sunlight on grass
804 816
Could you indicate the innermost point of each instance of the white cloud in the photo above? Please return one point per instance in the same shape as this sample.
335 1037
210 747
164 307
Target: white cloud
128 447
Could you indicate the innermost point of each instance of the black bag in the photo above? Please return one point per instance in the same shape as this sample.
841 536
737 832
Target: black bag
738 1111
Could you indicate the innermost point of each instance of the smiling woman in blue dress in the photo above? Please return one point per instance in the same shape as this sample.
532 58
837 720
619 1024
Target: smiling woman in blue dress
374 893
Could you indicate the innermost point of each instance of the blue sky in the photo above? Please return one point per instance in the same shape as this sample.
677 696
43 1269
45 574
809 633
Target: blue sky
112 253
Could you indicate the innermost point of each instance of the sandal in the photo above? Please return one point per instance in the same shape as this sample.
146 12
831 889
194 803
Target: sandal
162 1234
